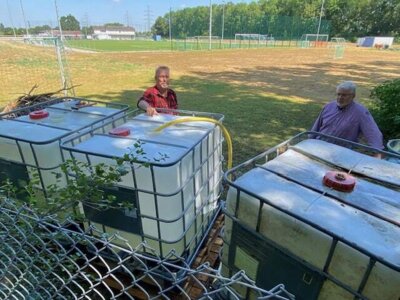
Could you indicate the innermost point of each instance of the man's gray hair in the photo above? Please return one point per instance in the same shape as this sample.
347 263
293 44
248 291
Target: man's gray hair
159 69
347 85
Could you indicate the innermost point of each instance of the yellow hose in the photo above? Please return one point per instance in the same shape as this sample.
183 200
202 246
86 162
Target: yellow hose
203 119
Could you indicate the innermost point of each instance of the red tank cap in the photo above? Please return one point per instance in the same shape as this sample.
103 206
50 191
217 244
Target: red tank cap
120 131
38 114
339 181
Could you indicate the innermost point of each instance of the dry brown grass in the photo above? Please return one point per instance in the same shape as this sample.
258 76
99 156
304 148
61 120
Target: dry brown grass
266 94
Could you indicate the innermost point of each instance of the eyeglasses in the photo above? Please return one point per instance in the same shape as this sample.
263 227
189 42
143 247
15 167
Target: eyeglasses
342 94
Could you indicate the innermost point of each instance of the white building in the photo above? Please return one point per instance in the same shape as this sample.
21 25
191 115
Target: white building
113 33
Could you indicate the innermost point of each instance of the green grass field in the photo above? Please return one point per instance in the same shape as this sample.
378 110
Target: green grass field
165 45
111 45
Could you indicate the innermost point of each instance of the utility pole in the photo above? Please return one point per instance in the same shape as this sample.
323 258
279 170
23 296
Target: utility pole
86 22
23 16
127 19
320 18
148 18
210 27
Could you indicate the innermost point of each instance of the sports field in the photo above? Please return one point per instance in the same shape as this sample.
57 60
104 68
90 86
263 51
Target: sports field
127 45
267 95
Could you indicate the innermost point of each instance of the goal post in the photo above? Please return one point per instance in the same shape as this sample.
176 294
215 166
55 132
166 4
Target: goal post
337 44
314 40
201 42
253 37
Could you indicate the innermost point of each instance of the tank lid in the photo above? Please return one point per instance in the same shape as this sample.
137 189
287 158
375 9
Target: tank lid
38 114
339 181
120 131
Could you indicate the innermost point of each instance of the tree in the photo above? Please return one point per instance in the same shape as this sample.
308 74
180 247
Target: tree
39 29
69 23
116 24
1 28
160 27
87 30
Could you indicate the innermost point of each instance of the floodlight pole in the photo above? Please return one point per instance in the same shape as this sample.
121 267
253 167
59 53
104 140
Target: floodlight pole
169 24
210 27
320 18
223 20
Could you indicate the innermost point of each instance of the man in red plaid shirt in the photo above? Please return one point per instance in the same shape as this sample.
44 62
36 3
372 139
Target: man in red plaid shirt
160 95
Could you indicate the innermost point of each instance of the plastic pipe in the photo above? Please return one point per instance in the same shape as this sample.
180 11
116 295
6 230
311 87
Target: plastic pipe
203 119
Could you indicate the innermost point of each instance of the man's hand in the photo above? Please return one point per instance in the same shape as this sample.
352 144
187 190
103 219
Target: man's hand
151 111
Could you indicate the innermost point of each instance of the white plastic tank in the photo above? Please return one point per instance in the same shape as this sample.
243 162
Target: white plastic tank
177 194
32 145
39 130
368 218
88 107
65 119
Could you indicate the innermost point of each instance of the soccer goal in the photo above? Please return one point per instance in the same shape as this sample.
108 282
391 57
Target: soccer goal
314 40
202 42
253 37
253 40
337 41
337 44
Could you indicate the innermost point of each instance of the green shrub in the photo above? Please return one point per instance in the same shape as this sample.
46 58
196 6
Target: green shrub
386 108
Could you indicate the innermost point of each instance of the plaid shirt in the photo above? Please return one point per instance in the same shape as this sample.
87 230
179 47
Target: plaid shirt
155 99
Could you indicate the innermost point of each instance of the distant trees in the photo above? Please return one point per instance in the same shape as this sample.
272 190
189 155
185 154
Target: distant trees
69 22
349 18
114 24
160 27
39 29
87 30
291 18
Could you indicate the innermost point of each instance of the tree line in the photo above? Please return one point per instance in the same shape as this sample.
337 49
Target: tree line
343 18
68 23
288 18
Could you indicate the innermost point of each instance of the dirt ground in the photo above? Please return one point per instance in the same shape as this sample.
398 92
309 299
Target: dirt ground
308 74
302 74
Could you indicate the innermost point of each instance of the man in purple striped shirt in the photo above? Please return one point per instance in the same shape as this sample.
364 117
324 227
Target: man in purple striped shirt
347 119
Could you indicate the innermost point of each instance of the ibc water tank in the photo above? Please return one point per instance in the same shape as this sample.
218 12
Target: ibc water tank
174 197
284 225
30 137
27 148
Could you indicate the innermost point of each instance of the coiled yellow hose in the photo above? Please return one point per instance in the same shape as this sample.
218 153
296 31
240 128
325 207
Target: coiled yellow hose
204 119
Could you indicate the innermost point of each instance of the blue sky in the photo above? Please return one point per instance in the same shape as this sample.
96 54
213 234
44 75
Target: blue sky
95 12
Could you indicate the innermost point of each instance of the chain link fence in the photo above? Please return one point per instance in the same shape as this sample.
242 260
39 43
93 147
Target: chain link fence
41 258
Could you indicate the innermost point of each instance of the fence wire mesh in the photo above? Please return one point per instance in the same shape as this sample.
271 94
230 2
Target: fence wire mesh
41 258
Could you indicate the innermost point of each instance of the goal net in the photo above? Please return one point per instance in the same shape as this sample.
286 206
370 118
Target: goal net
337 45
314 40
32 65
201 42
253 37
